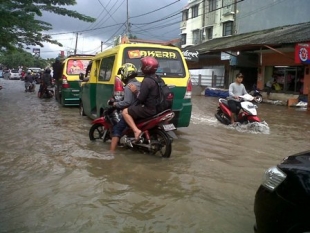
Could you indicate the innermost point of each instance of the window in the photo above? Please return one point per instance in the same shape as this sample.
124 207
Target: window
212 5
106 68
183 39
195 11
209 33
228 28
185 15
196 36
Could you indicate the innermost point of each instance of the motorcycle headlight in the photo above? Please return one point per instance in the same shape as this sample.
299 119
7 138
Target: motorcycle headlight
273 177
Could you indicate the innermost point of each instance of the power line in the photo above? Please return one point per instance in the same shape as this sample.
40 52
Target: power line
155 10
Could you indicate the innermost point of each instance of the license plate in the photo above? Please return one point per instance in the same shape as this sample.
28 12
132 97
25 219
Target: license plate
169 127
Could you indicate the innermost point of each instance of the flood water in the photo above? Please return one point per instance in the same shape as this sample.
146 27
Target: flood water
54 179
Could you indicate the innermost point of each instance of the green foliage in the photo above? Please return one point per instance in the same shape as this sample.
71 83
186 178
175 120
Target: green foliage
20 28
21 58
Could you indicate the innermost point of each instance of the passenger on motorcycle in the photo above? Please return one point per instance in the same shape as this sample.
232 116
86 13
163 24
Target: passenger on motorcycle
146 98
236 89
128 74
28 80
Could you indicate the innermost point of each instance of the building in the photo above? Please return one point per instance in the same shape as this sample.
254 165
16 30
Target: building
254 37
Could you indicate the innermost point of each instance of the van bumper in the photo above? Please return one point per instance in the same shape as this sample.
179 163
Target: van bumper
70 97
182 116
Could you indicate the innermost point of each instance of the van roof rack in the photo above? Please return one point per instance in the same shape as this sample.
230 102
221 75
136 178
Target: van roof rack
81 55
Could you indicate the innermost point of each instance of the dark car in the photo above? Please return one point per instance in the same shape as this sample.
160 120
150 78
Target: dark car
282 202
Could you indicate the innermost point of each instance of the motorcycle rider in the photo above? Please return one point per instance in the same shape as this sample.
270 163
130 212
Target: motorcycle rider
45 82
28 80
146 98
236 89
128 73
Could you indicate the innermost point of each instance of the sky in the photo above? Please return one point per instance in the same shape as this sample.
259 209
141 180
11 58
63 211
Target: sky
148 20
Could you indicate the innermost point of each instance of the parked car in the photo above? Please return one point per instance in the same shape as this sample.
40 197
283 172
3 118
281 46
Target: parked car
282 202
15 75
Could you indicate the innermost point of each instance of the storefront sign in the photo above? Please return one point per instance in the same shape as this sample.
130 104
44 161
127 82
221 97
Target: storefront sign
225 56
190 55
302 53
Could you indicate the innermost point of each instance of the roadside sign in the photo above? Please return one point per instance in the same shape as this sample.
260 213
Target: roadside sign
36 52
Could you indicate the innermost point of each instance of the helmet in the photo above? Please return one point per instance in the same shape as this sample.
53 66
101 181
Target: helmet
149 65
48 70
128 71
28 71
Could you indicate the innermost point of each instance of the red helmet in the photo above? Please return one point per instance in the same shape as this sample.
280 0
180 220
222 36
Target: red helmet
149 65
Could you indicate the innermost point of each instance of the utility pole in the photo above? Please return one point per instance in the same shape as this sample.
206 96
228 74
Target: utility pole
76 41
101 45
127 22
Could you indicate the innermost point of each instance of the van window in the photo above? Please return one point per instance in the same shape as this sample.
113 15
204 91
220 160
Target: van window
77 66
106 68
170 61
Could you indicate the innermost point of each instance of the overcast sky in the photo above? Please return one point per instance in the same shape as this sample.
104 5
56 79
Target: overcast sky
153 20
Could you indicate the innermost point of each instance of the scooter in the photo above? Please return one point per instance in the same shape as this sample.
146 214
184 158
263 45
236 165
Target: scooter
247 113
157 133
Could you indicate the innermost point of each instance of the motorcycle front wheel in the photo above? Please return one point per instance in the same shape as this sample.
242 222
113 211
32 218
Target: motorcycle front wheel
98 132
258 99
160 143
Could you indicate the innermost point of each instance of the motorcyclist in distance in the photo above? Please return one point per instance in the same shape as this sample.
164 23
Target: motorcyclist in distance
45 81
236 89
128 74
28 79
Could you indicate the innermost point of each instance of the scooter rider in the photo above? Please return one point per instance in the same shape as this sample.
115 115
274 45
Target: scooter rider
128 73
28 80
236 89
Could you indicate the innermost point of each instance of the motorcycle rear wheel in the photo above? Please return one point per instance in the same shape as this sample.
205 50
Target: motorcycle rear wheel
222 118
160 143
98 132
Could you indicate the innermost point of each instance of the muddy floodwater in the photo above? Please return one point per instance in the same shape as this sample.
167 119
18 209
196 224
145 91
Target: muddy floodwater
54 179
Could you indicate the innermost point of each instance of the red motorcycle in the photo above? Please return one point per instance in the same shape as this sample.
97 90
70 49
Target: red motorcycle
157 133
247 113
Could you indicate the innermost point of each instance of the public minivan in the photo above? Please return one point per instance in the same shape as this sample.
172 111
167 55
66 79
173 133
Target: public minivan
104 82
67 88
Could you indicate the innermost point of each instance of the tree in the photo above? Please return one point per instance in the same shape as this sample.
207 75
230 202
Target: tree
19 27
21 58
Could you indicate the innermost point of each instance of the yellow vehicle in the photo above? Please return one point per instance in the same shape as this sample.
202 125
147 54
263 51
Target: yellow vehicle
67 88
104 83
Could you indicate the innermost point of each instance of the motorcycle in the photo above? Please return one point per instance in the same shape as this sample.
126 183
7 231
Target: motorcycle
157 133
47 92
30 87
247 113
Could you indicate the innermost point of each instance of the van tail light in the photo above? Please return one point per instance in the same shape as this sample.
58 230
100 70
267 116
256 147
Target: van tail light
188 93
118 89
65 83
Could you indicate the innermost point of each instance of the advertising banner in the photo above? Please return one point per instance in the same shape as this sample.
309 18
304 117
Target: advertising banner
302 53
36 52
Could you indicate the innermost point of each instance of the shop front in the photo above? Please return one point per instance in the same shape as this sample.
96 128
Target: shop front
290 75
